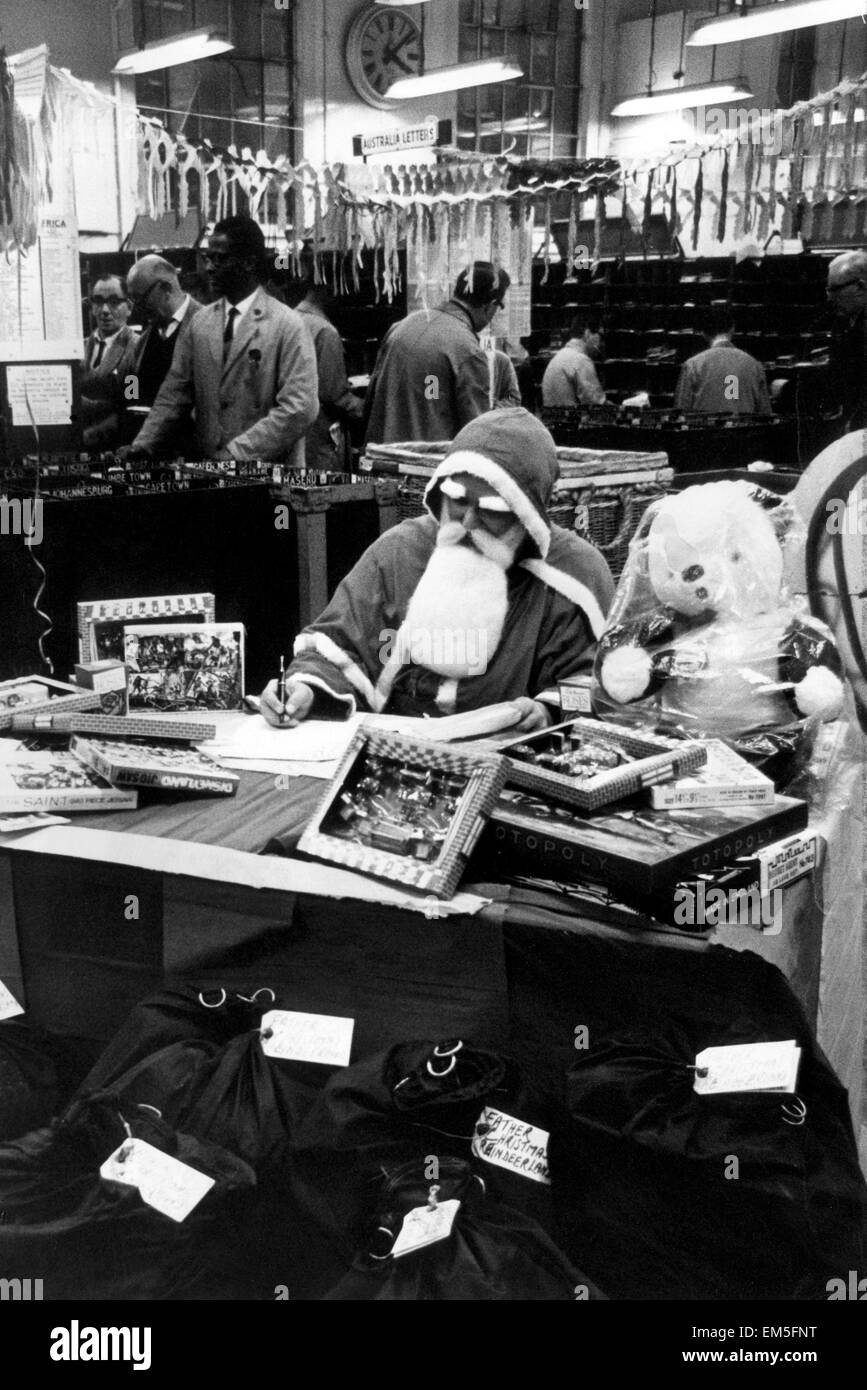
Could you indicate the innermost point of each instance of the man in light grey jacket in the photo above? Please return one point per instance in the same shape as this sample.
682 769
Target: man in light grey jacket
570 377
245 363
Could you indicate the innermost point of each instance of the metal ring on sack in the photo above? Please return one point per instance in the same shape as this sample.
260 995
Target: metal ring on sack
158 1113
205 1005
482 1181
265 989
801 1114
449 1068
448 1051
388 1232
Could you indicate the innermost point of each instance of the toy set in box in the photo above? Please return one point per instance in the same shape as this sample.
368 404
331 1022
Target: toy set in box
35 695
588 763
405 810
109 680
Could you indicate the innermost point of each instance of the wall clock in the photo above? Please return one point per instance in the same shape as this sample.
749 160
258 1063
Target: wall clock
382 44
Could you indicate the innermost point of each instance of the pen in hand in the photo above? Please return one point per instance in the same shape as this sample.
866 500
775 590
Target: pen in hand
281 689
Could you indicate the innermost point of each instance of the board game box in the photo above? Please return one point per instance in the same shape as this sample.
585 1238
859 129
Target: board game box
632 848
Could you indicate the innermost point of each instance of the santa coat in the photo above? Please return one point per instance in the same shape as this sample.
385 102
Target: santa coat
556 611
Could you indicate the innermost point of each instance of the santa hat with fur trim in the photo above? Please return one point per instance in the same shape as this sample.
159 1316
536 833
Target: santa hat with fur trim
514 453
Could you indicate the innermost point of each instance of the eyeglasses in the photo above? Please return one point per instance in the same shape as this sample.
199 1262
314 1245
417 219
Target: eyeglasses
113 301
835 289
139 301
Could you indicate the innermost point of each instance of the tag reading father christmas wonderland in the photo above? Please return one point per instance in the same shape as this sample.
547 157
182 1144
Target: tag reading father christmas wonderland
301 1037
165 1183
769 1066
425 1225
9 1006
509 1143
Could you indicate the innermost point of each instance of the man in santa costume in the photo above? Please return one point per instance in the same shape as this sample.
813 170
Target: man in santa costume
479 600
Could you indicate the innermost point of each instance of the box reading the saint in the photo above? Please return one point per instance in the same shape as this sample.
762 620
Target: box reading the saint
588 763
405 810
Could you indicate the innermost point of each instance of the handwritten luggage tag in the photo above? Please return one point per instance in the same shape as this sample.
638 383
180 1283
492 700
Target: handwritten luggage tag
9 1006
512 1144
301 1037
164 1182
767 1066
426 1225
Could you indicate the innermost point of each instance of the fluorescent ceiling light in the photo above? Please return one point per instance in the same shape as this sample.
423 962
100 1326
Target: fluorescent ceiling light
452 78
775 19
518 126
168 53
677 98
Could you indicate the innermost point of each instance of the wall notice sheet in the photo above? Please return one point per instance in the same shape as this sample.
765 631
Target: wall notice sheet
40 393
40 306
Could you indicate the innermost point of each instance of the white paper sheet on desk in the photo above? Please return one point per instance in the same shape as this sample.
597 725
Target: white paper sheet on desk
250 739
324 771
188 859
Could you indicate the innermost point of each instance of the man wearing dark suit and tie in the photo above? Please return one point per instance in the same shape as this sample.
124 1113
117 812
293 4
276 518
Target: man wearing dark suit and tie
246 363
105 351
155 293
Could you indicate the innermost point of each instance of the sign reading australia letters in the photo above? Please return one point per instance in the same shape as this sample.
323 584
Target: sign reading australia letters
403 137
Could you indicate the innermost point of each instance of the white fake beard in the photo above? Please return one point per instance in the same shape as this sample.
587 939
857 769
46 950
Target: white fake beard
464 582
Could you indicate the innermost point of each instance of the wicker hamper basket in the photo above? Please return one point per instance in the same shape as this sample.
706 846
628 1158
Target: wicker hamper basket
588 498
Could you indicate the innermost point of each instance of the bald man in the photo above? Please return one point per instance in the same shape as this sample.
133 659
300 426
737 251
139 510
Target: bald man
847 297
156 294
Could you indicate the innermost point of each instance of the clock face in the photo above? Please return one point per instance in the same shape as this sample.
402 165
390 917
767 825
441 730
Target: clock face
381 46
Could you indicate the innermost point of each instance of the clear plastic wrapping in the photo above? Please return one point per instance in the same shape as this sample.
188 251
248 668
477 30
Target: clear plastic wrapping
703 640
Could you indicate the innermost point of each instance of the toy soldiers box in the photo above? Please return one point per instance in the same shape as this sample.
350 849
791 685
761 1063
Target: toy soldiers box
588 763
405 810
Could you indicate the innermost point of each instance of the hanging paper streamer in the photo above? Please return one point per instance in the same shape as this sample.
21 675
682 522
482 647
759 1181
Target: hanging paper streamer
598 221
848 147
572 234
648 205
750 163
796 175
723 198
696 206
673 213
